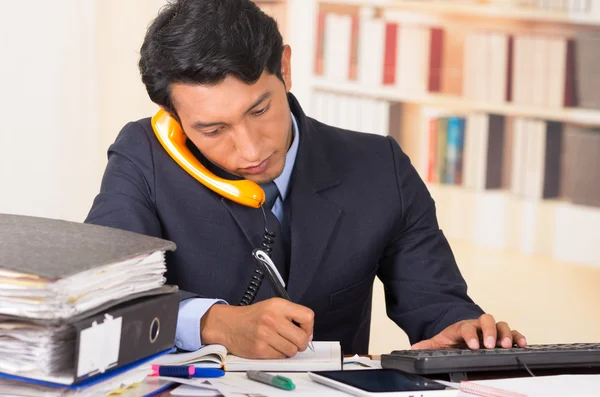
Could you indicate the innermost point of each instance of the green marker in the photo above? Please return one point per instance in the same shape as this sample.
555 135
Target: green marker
273 380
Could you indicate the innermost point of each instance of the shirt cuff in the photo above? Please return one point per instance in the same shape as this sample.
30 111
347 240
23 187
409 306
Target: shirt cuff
187 334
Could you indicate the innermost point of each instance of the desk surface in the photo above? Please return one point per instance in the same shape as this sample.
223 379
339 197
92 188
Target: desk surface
167 393
472 376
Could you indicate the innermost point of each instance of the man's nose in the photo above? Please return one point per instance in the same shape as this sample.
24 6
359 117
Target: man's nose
248 144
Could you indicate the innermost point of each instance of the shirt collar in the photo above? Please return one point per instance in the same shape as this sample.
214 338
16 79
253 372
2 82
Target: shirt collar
283 181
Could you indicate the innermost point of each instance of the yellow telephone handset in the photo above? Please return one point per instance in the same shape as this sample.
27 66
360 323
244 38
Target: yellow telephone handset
171 136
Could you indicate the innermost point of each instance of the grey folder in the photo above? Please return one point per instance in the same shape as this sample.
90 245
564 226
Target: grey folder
55 269
55 249
77 299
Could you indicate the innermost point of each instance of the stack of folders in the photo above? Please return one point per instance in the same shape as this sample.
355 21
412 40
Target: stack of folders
83 308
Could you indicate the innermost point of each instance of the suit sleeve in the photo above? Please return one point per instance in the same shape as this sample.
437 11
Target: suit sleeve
424 289
127 198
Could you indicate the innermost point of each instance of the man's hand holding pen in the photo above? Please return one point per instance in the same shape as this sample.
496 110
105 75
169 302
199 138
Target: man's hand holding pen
263 330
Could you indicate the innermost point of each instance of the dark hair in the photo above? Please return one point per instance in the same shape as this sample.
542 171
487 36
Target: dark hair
204 41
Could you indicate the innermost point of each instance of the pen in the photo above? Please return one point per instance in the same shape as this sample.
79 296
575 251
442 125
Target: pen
273 380
186 371
268 267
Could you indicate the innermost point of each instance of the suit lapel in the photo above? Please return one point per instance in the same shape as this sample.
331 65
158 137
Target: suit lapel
251 222
313 222
313 217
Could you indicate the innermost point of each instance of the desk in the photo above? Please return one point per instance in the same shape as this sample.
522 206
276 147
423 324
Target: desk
168 394
473 376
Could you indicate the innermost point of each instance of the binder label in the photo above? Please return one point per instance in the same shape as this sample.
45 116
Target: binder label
99 346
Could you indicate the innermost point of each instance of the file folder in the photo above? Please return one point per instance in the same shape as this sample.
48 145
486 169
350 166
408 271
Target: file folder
114 337
55 269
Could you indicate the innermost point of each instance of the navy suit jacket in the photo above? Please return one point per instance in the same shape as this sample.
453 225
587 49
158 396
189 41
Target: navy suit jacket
358 209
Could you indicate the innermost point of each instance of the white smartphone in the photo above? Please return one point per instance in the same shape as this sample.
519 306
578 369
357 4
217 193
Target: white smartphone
378 382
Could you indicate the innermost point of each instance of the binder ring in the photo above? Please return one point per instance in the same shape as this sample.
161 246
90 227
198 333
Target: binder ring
154 329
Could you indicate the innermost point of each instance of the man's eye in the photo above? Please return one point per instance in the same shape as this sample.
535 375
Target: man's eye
211 133
262 111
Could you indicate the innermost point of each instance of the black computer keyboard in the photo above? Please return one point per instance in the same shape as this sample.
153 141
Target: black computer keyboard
557 356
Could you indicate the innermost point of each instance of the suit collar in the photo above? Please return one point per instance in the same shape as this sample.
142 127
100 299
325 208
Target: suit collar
313 159
283 180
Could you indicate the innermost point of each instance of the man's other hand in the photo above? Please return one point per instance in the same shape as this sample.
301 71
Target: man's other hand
262 330
470 332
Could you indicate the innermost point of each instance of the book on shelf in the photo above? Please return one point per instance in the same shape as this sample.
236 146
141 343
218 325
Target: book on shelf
419 56
454 151
484 151
587 68
327 356
582 168
357 113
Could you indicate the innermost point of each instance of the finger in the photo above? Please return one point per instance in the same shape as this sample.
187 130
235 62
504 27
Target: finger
424 345
504 335
294 333
283 346
518 338
468 331
266 351
488 330
303 316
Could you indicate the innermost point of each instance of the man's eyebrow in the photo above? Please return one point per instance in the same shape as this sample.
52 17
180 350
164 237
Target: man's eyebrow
199 125
258 101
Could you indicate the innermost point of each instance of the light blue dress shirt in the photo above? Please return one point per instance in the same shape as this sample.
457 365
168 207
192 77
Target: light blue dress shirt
187 335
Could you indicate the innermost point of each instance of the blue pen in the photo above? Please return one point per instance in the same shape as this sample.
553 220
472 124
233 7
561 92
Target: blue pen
186 371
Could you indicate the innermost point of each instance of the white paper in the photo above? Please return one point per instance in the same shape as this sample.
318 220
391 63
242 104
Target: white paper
28 348
322 354
133 376
99 345
214 353
358 362
47 299
192 391
549 386
232 384
327 356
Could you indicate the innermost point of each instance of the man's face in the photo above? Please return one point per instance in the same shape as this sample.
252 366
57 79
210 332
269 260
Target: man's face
244 129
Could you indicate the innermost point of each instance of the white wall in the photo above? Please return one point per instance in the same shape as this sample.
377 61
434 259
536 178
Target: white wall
49 120
122 95
69 82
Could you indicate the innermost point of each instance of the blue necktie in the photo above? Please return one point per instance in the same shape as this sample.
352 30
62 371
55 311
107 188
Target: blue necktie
271 192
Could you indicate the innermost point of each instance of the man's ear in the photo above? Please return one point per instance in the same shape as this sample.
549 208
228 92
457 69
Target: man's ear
286 67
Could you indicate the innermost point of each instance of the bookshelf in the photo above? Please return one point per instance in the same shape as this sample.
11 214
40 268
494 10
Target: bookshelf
479 10
459 104
476 63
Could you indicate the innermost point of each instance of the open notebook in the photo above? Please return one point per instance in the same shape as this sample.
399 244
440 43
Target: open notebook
327 356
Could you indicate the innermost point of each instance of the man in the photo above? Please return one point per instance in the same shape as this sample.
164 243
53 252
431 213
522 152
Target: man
349 205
